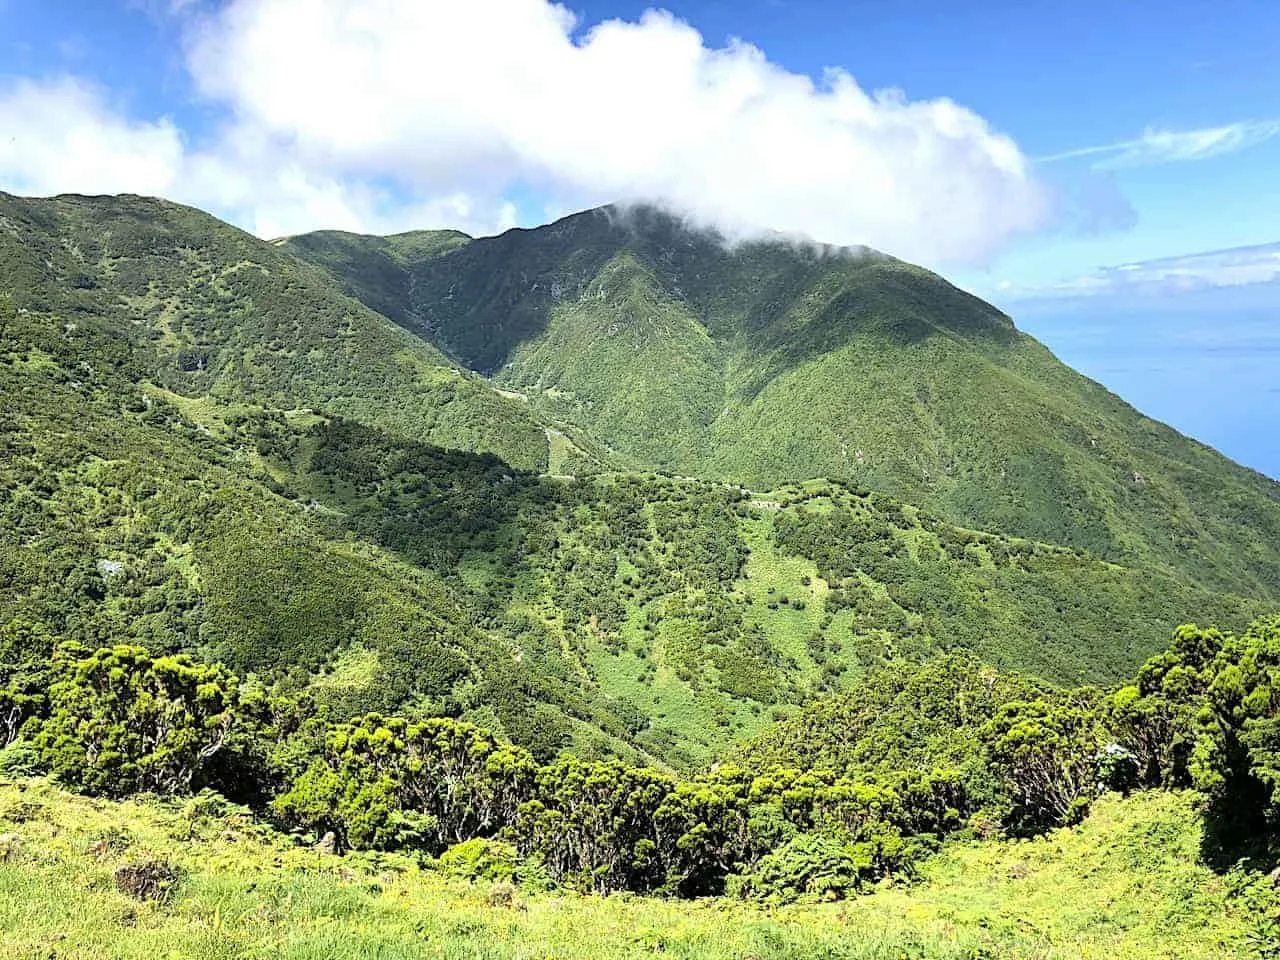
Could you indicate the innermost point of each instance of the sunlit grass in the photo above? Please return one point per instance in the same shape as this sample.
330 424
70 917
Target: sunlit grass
1123 886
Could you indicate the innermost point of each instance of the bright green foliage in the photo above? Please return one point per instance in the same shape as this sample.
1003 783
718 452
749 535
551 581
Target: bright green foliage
122 722
1157 719
594 822
385 783
633 615
376 273
808 866
1047 752
258 470
480 859
1000 746
1237 758
212 449
1207 711
927 718
204 310
26 648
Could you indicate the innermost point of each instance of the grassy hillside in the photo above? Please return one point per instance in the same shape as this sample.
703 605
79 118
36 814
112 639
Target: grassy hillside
765 363
129 512
205 310
211 447
1123 885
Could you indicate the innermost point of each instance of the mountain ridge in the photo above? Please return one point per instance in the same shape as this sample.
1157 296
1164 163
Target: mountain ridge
214 448
789 363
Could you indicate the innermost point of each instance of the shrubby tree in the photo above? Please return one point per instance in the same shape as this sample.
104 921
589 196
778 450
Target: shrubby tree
1045 750
1156 718
874 782
808 866
1237 755
1206 712
715 825
383 782
121 721
25 648
595 822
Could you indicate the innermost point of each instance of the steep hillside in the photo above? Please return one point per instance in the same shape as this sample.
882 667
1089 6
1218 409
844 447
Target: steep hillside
630 614
378 271
208 446
203 309
767 362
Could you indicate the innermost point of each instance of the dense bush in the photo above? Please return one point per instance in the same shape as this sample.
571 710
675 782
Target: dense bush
480 859
121 721
1046 750
812 866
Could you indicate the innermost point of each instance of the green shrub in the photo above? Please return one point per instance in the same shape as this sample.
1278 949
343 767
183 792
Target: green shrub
806 867
122 722
20 759
480 859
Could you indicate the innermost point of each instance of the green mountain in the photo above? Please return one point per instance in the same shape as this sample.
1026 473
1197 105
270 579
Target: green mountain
365 534
205 310
768 362
210 445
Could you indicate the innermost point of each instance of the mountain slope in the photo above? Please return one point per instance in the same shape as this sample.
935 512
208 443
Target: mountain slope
208 446
619 614
768 362
204 309
377 271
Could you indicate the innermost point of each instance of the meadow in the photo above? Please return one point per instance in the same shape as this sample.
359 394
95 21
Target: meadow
1124 885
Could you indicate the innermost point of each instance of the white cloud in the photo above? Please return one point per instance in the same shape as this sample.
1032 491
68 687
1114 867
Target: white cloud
1213 269
63 135
387 115
470 97
1156 147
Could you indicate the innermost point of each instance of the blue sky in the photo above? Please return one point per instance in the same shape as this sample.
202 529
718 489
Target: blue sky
1084 138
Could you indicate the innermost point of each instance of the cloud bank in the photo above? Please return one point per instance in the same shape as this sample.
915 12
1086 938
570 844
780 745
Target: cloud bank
384 115
62 135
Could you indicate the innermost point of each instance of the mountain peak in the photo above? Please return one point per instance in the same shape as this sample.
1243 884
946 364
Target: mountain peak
769 360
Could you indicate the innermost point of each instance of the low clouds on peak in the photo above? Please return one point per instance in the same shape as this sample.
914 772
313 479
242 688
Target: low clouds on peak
471 97
366 115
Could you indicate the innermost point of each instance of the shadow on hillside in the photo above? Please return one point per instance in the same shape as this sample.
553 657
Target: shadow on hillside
429 505
1235 831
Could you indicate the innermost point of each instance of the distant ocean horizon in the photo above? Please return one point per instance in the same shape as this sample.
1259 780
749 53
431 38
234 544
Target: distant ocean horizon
1210 371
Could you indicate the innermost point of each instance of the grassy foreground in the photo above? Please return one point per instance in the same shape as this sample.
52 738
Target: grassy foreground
1123 885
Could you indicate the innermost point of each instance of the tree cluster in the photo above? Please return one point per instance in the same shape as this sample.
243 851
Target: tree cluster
860 793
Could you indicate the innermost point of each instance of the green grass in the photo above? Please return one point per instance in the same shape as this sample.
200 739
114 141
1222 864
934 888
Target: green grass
1124 885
